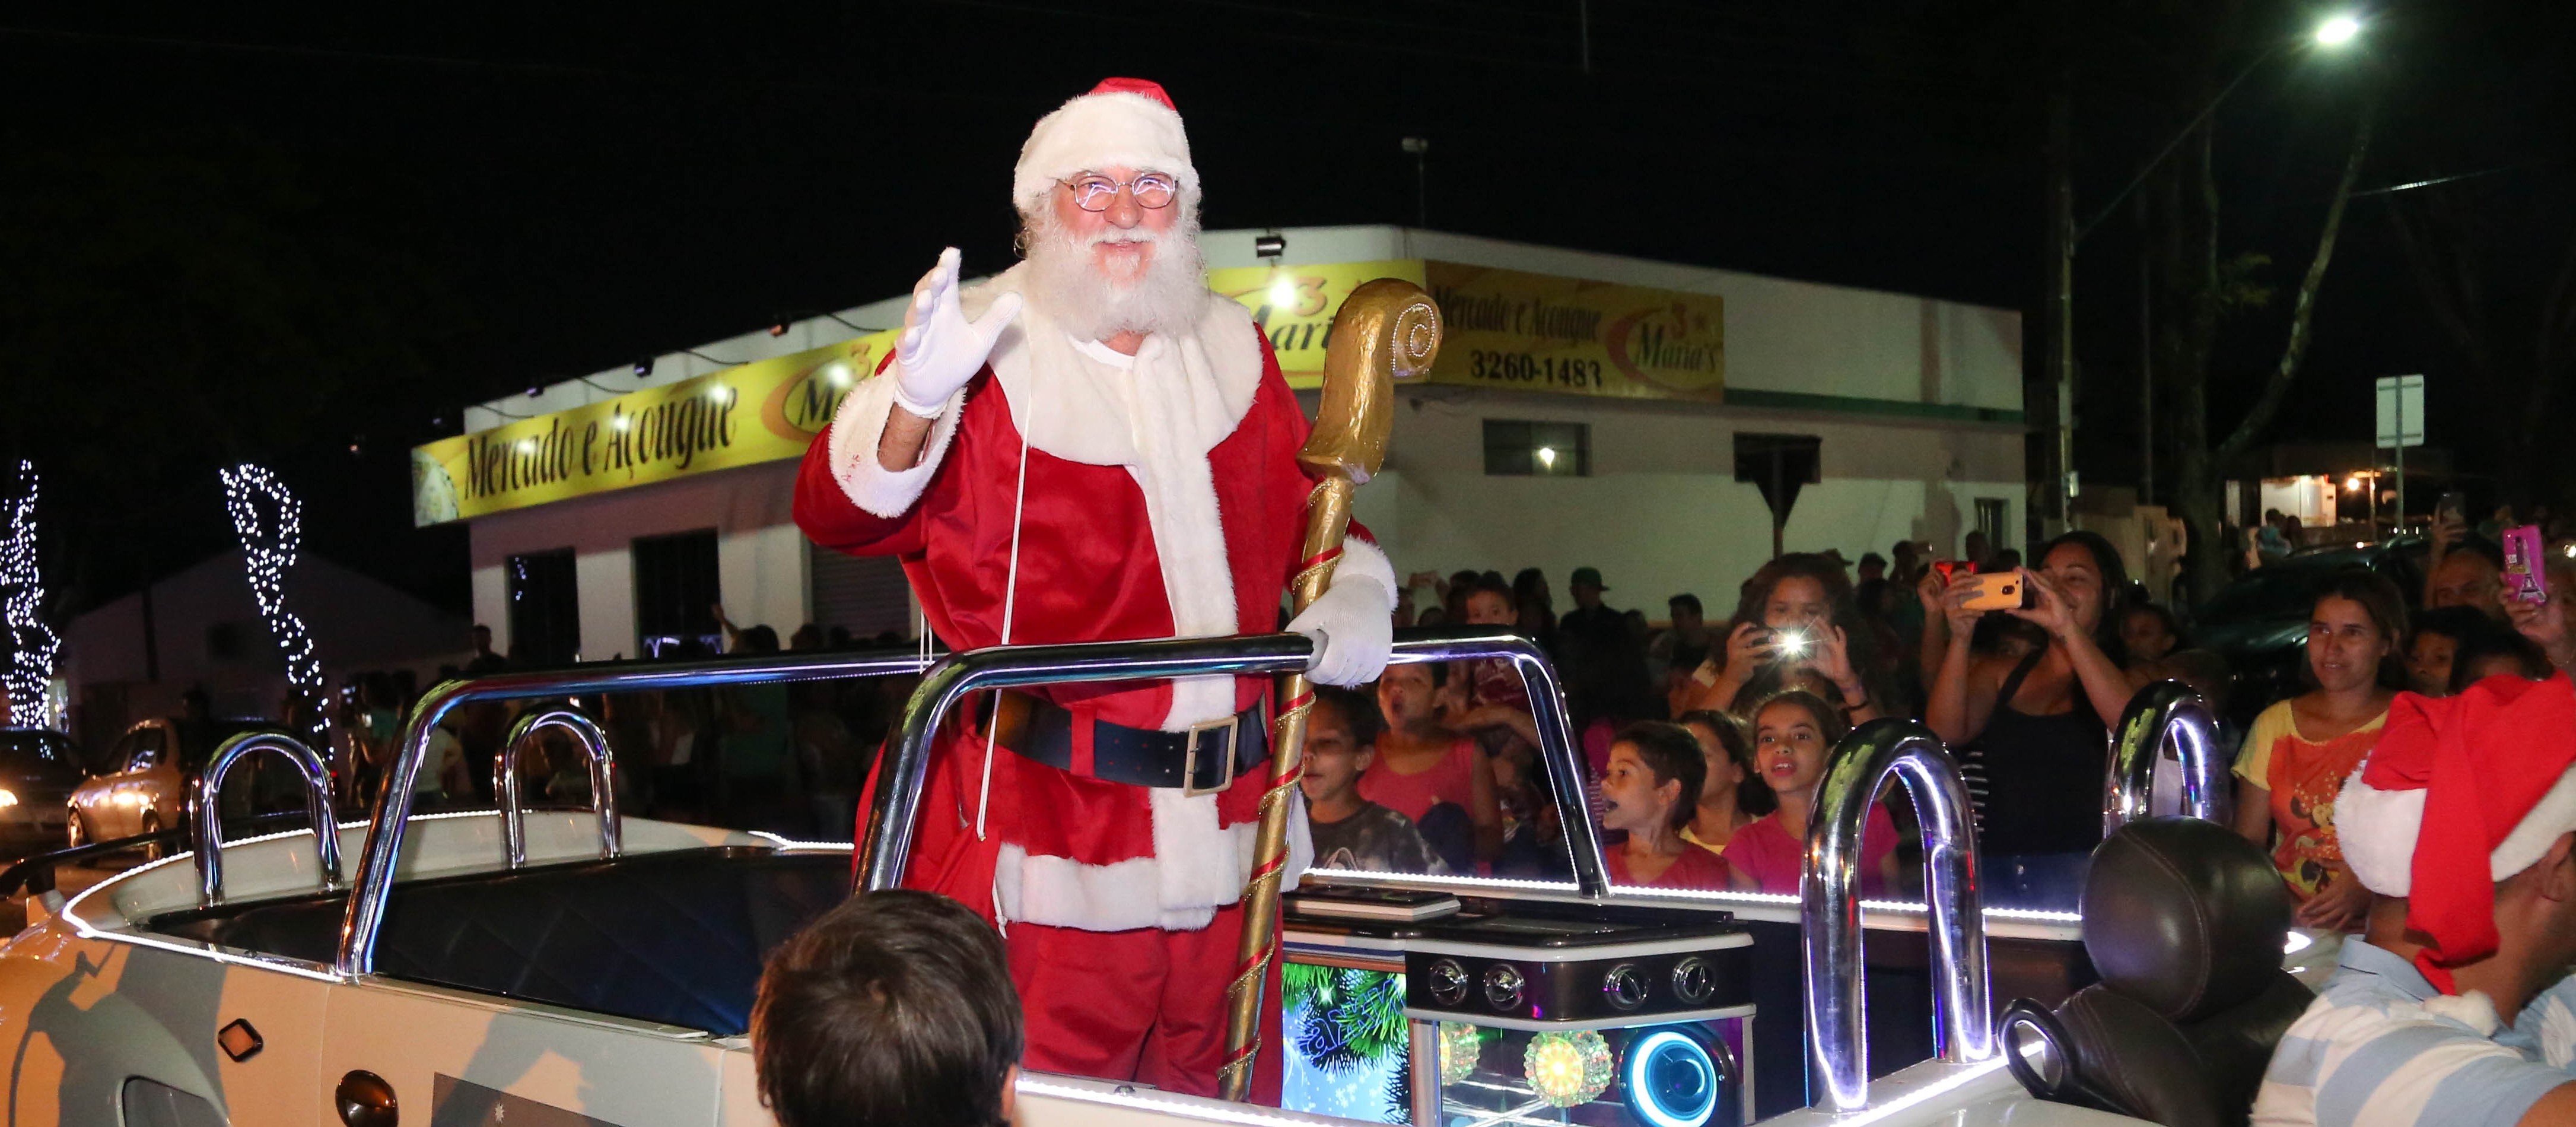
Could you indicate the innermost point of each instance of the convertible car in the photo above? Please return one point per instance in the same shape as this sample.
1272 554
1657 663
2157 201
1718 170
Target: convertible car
581 968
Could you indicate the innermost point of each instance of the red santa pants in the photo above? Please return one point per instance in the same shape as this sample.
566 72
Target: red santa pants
1145 1004
1142 1004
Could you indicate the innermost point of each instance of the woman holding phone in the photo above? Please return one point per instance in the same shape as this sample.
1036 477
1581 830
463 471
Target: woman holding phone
2033 730
1797 624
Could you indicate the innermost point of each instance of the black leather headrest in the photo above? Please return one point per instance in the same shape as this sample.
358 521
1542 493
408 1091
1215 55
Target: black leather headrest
2184 916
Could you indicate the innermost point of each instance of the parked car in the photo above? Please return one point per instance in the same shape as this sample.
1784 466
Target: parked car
2259 623
38 769
143 781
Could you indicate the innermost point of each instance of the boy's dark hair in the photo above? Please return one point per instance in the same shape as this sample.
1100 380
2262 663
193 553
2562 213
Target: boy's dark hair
1670 752
2458 624
2489 638
1686 600
1752 796
1358 713
894 1008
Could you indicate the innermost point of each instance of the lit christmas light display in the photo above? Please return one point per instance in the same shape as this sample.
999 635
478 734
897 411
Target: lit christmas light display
268 544
32 644
1567 1069
1460 1045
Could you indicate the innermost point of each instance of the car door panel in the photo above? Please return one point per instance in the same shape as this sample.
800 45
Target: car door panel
608 1070
83 1027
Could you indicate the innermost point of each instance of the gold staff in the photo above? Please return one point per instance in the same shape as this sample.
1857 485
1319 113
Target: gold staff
1386 329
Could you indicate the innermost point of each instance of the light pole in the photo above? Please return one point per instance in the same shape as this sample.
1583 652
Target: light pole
2065 235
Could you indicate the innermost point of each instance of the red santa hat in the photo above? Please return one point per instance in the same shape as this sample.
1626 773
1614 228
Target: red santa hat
1123 123
2458 794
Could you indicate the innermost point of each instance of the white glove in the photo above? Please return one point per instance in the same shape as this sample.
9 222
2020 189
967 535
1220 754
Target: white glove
940 349
1353 629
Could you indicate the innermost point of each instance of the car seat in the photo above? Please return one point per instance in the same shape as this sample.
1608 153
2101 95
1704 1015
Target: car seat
2185 921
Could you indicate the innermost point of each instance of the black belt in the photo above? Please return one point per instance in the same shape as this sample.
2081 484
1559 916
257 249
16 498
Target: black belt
1195 759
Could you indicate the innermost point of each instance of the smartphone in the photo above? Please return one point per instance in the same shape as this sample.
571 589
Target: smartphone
1790 644
2454 503
2526 574
2001 591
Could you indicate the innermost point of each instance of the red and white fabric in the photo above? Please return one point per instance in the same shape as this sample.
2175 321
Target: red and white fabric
2460 793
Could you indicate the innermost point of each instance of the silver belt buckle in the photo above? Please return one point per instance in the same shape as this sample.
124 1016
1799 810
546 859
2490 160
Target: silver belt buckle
1232 726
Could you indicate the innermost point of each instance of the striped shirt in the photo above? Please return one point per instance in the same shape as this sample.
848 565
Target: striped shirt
2381 1048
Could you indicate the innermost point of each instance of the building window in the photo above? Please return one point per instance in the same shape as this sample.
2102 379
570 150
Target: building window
545 608
676 593
1990 520
1521 448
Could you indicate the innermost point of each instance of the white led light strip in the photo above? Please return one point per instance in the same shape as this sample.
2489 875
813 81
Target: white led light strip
25 683
268 550
1780 899
1204 1111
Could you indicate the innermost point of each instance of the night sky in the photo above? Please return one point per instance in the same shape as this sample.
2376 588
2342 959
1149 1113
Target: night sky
505 197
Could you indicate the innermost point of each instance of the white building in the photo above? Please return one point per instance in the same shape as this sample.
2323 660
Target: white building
1911 406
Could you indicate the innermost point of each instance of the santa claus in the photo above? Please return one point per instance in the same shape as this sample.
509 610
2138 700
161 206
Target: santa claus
1089 447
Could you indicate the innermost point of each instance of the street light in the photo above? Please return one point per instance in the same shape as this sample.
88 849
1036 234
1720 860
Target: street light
2334 33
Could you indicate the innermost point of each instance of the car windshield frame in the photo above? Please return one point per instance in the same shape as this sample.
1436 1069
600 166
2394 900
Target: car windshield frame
62 754
2282 591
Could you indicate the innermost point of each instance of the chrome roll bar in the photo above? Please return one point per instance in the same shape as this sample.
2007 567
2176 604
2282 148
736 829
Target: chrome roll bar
374 883
603 781
2165 710
1829 913
887 845
204 805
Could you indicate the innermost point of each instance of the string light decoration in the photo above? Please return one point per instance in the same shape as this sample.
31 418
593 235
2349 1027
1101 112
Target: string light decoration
1567 1069
28 681
269 542
1460 1046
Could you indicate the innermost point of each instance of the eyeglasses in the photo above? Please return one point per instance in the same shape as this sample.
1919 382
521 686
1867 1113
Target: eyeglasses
1149 190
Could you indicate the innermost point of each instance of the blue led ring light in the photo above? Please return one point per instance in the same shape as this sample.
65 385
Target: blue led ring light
1670 1080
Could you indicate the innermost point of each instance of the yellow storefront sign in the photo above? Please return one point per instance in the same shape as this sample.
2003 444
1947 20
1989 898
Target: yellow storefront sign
758 412
1506 329
1534 332
1294 305
1527 332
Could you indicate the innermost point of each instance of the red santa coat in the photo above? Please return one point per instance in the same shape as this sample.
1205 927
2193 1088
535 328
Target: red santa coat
1162 499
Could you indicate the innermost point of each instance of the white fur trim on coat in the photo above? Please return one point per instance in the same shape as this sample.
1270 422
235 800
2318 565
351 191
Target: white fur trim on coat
1197 867
1097 132
855 430
1366 560
1156 414
2377 830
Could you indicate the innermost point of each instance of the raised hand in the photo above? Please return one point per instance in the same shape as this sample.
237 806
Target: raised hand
940 349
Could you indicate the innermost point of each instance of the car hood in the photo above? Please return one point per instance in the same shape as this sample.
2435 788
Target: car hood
2250 634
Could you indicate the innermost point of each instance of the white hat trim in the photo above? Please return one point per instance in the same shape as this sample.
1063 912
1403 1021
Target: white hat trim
2376 830
1117 129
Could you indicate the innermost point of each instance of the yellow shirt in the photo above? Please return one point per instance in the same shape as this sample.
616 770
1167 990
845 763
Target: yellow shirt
2302 776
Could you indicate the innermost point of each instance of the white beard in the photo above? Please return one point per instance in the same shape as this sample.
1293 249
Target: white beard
1171 294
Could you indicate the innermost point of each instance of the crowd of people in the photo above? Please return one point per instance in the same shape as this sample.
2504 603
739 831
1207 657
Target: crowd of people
1817 645
1704 741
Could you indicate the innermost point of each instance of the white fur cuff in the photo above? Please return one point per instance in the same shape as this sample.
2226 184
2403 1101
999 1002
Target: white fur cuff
1365 560
855 430
2377 831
